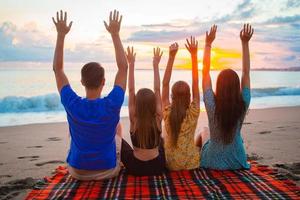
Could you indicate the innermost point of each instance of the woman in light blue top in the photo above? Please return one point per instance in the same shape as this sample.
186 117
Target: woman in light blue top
226 109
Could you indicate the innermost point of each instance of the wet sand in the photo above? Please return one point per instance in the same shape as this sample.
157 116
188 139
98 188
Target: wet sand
30 152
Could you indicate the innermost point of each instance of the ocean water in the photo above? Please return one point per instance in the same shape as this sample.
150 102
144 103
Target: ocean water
29 95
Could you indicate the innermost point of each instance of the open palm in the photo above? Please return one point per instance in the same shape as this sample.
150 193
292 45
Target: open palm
246 33
130 55
157 53
114 22
192 45
210 37
61 23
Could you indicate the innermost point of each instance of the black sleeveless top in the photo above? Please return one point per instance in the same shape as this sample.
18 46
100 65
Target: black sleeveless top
135 143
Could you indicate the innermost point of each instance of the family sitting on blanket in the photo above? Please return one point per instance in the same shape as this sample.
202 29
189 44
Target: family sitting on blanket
97 149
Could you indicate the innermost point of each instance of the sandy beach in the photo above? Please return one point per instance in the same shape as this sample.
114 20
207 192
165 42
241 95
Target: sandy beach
31 152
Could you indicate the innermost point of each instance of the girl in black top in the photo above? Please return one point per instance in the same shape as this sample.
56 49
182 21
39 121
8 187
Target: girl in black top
145 114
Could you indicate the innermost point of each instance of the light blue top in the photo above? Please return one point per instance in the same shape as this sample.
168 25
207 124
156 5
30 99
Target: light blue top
216 155
92 125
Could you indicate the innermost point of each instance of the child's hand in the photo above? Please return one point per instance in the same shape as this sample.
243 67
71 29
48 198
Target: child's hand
192 45
130 55
246 33
61 23
210 37
173 49
156 56
114 23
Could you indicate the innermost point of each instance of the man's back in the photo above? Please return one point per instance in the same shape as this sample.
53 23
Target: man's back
92 120
92 125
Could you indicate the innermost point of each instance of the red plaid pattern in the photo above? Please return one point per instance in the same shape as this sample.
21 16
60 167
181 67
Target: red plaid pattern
260 182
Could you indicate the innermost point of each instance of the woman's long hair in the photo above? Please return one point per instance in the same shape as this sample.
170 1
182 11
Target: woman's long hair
230 107
181 98
146 131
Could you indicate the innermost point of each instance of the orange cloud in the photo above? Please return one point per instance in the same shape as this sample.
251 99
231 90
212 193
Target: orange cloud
220 59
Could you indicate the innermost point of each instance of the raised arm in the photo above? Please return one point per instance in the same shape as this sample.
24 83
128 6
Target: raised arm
192 47
167 76
245 35
114 28
156 59
130 55
58 62
210 37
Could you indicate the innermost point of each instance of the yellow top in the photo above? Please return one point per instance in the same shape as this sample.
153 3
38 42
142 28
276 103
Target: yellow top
186 155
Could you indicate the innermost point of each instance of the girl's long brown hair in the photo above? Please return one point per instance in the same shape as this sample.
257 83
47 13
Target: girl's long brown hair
181 98
146 129
230 107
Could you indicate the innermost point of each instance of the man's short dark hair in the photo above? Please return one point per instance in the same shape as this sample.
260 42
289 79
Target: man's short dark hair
92 75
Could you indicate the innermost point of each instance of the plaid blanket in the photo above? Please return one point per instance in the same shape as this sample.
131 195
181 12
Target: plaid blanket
260 182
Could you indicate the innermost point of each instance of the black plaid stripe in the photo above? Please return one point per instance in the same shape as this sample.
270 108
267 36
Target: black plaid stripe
56 186
260 186
71 186
208 184
202 184
221 191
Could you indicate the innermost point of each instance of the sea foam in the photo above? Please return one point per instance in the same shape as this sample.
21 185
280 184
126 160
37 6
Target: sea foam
51 102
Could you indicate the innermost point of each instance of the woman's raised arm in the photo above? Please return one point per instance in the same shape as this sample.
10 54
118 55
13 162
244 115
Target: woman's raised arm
210 37
157 53
245 35
130 55
167 76
192 47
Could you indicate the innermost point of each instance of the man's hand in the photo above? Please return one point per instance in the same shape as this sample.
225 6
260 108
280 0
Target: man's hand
130 55
61 23
157 53
58 61
114 23
192 45
113 28
210 37
246 33
173 49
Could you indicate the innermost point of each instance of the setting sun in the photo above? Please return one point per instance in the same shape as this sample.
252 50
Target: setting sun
220 59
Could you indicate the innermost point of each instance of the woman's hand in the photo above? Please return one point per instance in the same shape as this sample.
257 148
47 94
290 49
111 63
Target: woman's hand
210 37
114 23
130 55
246 33
61 23
157 53
173 49
192 45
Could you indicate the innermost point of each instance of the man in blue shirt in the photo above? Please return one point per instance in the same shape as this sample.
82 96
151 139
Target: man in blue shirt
94 149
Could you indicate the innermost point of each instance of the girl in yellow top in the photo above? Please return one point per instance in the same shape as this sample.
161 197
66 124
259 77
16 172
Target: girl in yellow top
181 115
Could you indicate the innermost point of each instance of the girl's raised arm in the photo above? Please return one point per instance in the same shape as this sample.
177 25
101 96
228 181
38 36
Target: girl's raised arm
157 53
206 80
192 47
130 55
167 76
245 35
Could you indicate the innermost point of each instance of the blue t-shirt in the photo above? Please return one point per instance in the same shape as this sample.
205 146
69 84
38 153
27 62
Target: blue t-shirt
92 126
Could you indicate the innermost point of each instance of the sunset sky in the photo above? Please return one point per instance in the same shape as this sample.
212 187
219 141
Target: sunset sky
28 35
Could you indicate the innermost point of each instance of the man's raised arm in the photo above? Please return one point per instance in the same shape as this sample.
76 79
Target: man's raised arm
58 61
113 28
